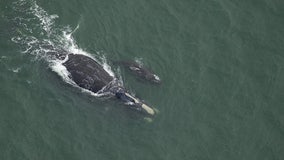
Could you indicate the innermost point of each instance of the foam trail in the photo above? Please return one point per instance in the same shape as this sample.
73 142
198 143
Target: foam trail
46 20
70 43
38 38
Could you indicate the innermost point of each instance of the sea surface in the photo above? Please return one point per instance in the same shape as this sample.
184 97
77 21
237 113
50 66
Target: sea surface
221 63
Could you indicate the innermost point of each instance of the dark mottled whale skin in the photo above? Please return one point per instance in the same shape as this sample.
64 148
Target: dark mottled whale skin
140 71
87 73
90 75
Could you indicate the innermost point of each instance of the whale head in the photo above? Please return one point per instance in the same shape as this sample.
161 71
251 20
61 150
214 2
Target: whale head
135 102
153 78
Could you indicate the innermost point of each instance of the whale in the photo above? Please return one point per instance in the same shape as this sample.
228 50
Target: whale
88 74
140 70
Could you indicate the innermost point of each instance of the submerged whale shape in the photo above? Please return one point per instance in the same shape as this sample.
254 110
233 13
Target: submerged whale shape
90 75
140 71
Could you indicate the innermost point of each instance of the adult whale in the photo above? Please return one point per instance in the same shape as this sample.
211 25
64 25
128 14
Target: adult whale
90 75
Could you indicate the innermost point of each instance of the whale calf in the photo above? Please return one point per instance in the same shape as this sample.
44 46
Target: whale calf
140 71
89 74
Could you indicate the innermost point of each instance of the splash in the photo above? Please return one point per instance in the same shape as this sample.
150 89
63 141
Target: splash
37 34
139 61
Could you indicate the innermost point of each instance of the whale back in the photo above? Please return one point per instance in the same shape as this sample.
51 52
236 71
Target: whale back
87 73
140 71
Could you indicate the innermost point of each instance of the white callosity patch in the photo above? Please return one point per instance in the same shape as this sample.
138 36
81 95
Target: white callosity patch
157 78
139 61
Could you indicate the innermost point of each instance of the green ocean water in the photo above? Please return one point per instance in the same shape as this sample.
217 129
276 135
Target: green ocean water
222 70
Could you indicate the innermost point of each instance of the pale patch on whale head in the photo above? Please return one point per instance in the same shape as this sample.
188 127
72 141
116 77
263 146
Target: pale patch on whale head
154 78
157 78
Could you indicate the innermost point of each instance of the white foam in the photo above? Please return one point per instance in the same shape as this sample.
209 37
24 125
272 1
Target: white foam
70 43
62 72
46 20
139 61
61 36
106 66
16 70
